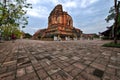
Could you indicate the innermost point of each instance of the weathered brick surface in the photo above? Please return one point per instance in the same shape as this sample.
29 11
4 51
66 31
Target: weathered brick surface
87 76
7 76
64 60
20 72
48 78
69 68
42 74
29 69
75 72
79 65
31 76
56 76
98 66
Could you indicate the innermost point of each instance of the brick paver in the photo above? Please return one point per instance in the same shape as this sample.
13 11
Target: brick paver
58 60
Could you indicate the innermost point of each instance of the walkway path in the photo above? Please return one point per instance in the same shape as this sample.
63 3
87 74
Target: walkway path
54 60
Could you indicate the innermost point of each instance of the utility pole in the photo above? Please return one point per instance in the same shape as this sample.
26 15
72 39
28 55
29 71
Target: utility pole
116 20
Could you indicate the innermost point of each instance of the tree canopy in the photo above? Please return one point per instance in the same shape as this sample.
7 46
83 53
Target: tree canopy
114 13
111 15
12 16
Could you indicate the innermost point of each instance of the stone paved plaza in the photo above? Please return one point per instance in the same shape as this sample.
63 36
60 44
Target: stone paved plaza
58 60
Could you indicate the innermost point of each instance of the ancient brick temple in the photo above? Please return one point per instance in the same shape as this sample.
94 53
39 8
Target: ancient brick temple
60 25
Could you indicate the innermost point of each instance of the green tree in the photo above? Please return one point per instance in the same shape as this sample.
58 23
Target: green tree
111 15
12 16
114 13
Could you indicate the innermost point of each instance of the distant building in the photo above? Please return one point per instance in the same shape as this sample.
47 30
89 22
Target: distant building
109 33
60 26
89 36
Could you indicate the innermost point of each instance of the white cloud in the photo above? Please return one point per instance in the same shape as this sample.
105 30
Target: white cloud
31 30
39 12
90 10
85 14
53 1
66 3
42 11
98 26
34 1
86 3
69 4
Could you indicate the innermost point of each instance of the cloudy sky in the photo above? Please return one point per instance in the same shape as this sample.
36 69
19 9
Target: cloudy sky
88 15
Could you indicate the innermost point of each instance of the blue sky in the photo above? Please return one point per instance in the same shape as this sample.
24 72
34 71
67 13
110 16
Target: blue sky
88 15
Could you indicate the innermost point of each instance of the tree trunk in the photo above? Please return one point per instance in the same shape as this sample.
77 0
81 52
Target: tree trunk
116 18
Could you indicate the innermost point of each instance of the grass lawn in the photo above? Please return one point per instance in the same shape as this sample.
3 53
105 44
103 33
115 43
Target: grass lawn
111 44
